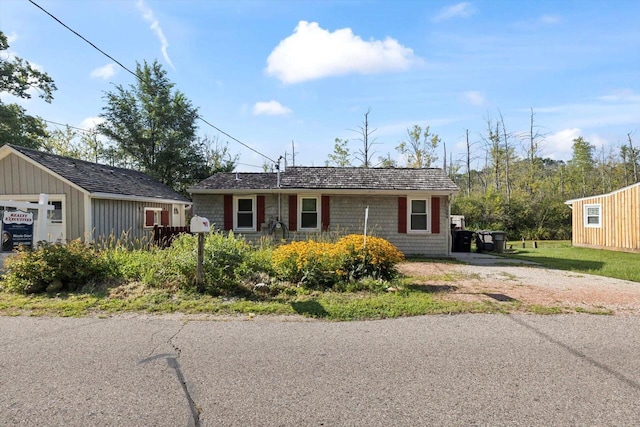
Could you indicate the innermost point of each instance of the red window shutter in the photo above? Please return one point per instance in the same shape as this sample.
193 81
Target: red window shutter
260 211
402 214
149 216
293 212
228 212
164 218
326 213
435 215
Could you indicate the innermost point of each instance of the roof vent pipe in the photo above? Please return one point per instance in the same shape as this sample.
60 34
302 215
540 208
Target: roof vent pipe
278 172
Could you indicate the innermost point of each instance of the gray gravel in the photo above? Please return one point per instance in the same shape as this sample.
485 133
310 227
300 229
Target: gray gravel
434 370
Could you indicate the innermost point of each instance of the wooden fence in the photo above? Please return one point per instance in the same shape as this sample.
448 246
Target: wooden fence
164 235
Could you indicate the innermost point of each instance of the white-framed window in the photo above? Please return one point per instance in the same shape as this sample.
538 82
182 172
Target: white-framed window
55 216
152 216
244 213
593 216
309 213
418 215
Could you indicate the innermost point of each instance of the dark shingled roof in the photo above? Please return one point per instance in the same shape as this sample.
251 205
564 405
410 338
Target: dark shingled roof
334 178
239 181
97 178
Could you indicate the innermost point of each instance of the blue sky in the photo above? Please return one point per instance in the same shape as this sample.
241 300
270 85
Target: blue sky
272 72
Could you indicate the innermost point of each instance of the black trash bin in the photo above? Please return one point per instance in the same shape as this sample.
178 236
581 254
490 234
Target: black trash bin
484 241
462 241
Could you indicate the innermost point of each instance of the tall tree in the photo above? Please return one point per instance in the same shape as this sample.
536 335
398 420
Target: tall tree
468 162
387 162
155 126
341 155
508 151
634 158
61 142
218 156
365 154
420 147
19 78
581 168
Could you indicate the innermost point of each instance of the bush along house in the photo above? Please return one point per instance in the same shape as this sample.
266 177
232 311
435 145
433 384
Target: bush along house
408 207
90 201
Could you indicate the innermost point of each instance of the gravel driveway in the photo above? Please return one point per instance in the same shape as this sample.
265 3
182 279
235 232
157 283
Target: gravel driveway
528 283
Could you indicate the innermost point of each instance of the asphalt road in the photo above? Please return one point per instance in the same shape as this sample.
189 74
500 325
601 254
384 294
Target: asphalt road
435 370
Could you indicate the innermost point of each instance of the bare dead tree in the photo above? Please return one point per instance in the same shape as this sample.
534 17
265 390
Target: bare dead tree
533 141
293 153
494 151
444 163
468 164
507 155
365 154
633 157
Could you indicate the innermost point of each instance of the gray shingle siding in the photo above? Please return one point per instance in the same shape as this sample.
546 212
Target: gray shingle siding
347 216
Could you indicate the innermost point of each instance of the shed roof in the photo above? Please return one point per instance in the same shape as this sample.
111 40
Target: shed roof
628 187
98 178
333 178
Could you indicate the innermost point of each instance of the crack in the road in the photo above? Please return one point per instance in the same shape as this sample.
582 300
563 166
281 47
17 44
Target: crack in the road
618 375
173 363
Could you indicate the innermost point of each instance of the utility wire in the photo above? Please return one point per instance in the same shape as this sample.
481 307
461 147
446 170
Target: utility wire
69 126
138 78
253 166
79 35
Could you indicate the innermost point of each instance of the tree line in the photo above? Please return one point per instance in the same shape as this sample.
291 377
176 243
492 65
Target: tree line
515 189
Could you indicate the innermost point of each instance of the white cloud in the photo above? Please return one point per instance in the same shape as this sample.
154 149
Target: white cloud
148 16
621 95
312 53
91 122
271 108
11 37
474 98
460 10
559 144
549 19
105 72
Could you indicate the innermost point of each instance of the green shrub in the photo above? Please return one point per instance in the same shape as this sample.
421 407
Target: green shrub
227 262
53 267
131 265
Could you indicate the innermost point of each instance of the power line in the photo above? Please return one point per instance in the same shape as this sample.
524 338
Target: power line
253 166
67 125
236 140
138 78
79 35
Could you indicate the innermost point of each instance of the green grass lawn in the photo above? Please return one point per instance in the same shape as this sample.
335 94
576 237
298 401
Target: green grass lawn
411 300
562 256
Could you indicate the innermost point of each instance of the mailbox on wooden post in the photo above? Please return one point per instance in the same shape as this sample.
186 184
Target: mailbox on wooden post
200 225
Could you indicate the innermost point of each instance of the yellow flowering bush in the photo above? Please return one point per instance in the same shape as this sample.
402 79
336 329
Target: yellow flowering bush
308 262
377 259
324 264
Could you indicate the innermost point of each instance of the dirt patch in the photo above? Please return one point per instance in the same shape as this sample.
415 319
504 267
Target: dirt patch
529 285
